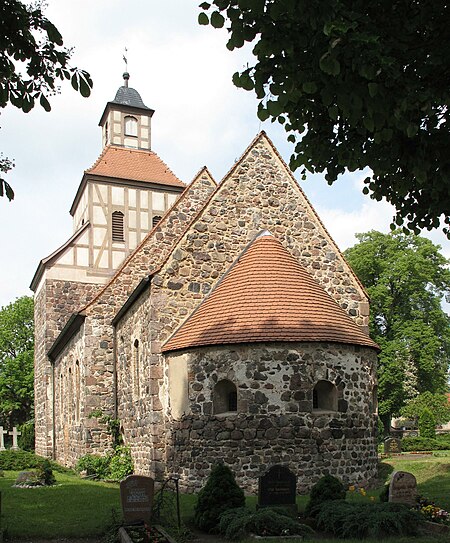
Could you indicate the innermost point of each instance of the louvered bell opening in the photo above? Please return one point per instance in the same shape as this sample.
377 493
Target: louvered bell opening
117 226
156 220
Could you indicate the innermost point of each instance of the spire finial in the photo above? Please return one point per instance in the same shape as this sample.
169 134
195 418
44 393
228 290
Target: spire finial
126 75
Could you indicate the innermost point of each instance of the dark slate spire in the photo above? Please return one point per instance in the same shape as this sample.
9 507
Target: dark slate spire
128 96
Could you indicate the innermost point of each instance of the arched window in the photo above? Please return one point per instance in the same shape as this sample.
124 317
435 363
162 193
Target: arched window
77 391
70 394
117 226
324 396
131 126
375 399
225 397
155 220
136 372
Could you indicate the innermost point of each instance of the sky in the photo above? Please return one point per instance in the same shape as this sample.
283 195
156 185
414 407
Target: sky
183 71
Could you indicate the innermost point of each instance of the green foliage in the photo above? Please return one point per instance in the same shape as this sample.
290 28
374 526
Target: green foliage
239 522
45 473
112 426
424 444
354 87
19 460
32 62
361 520
326 489
380 430
114 466
406 277
17 362
219 494
438 404
26 439
384 494
427 424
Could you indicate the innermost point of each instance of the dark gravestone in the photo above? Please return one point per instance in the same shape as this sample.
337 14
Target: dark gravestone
136 495
392 445
277 487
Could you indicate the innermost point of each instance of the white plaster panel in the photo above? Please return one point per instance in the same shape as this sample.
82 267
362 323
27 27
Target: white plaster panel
118 196
99 215
144 120
84 238
117 128
99 235
158 201
144 221
67 257
82 256
132 197
132 219
132 239
144 133
117 115
117 258
116 139
144 199
171 199
128 142
103 259
103 189
145 144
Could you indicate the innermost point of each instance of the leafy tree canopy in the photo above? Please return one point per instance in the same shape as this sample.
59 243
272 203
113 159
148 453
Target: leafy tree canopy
438 404
32 61
16 361
406 277
356 84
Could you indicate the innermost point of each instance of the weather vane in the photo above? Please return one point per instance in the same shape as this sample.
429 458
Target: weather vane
125 59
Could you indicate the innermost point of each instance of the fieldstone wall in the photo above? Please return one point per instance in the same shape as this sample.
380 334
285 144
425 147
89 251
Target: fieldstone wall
275 421
54 303
93 346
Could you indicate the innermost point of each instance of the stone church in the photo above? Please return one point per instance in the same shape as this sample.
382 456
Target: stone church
216 321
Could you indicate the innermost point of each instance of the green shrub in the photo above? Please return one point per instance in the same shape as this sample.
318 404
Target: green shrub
45 473
219 494
384 494
424 444
427 424
19 460
26 439
361 520
120 464
114 466
239 522
326 489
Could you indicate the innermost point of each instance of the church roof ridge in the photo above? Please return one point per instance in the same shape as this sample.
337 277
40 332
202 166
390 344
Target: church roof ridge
267 295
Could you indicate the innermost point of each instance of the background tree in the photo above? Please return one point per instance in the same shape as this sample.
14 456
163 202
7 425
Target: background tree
438 404
16 362
32 61
356 84
406 277
427 424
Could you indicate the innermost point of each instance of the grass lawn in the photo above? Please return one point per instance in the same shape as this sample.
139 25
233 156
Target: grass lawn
76 508
81 508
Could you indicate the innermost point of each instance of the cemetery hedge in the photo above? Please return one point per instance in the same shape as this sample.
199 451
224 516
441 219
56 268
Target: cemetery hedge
439 443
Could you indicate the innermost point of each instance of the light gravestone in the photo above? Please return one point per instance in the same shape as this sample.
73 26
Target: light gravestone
403 488
277 487
15 434
136 495
2 438
392 445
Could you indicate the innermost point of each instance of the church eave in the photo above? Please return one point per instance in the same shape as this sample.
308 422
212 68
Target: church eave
70 329
142 286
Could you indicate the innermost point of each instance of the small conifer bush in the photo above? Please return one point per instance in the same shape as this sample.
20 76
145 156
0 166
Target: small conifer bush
219 494
326 489
427 424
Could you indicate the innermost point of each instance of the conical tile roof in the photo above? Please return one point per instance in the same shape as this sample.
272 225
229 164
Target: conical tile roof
267 296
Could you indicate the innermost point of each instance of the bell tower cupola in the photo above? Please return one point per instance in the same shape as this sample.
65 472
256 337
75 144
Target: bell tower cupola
126 121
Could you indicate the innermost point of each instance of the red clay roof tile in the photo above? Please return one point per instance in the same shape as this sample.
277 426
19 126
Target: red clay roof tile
134 164
267 296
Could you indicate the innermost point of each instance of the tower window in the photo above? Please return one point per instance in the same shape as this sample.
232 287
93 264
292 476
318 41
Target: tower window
117 226
325 396
131 126
225 397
